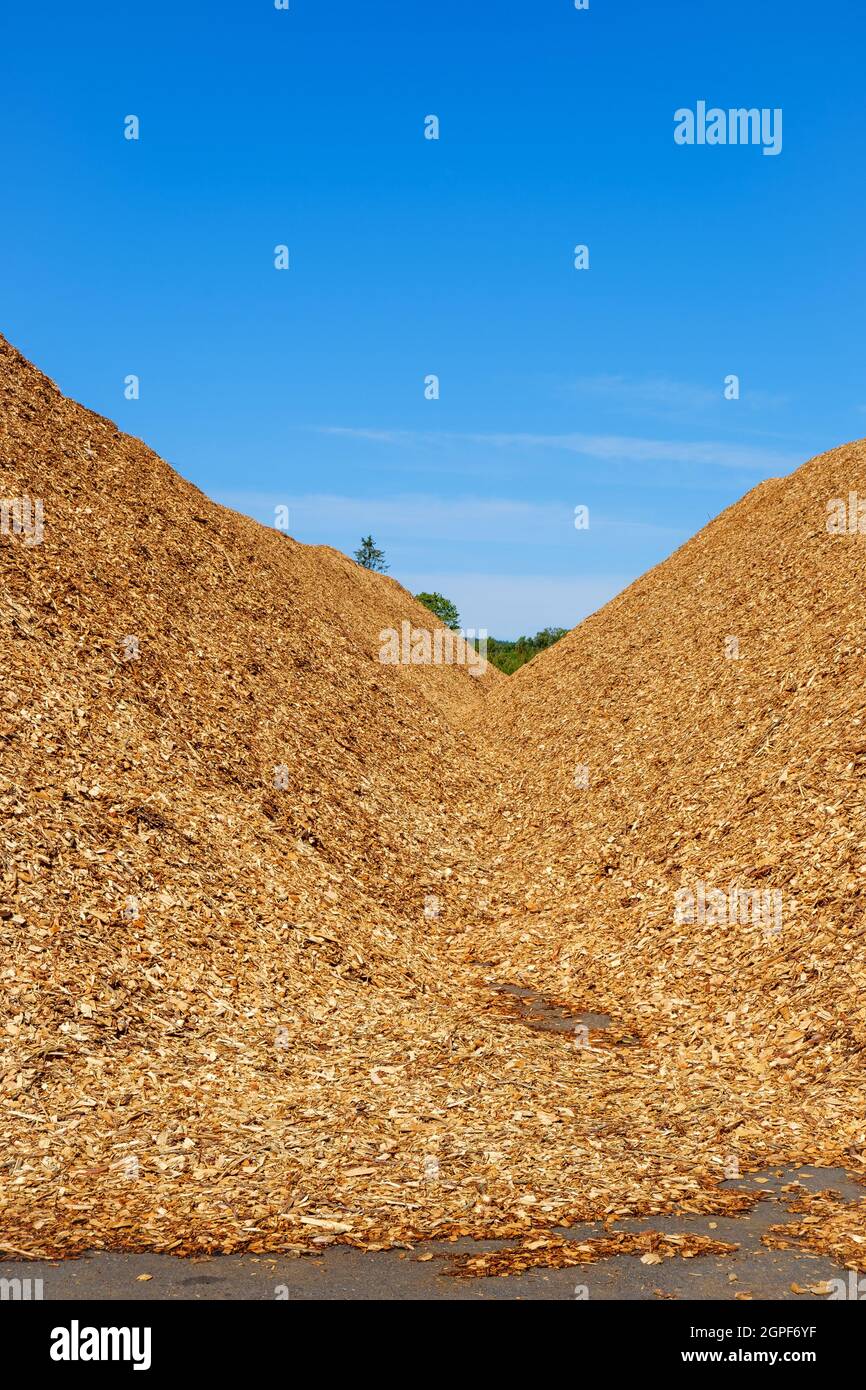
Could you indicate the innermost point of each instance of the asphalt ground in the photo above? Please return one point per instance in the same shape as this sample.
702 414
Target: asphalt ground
342 1273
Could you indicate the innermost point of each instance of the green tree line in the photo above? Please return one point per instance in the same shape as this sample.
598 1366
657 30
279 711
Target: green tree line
506 656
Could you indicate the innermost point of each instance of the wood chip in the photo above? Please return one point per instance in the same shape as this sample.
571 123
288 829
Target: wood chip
232 1019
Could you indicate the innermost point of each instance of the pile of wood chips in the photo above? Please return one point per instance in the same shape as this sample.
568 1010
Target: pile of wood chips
259 889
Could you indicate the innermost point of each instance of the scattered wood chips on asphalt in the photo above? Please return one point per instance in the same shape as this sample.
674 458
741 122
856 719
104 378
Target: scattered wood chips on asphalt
652 1247
261 892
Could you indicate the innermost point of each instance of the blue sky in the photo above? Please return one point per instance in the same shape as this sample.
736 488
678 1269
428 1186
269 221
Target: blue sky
454 257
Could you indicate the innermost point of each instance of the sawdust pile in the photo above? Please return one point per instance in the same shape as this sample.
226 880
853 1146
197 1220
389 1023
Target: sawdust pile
260 891
224 818
682 840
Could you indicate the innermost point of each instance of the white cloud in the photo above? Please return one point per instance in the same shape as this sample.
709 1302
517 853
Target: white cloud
666 396
377 436
611 447
319 517
625 449
655 391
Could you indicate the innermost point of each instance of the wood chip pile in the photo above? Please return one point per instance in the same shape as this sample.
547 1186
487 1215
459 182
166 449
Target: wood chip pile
259 890
705 735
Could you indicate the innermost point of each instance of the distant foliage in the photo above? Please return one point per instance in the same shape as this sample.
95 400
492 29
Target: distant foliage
508 656
369 557
444 609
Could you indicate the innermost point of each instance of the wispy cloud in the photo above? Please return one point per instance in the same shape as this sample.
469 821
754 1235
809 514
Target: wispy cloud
663 395
611 447
420 516
654 391
628 449
432 535
377 436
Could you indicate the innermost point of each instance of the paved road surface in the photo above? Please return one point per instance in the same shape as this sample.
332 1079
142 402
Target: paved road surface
343 1273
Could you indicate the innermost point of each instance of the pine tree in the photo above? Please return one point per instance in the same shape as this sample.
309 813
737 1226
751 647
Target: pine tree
369 557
